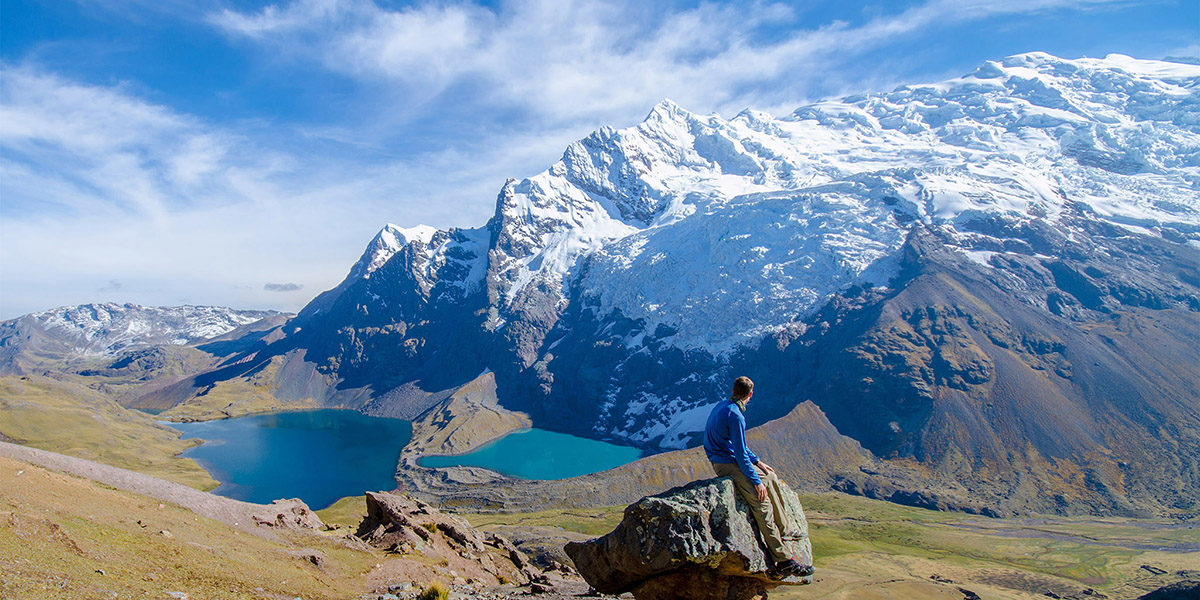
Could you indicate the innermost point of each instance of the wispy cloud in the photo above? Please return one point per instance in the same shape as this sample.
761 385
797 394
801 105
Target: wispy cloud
100 136
100 185
567 60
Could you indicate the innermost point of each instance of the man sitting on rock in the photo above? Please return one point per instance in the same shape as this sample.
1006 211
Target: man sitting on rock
725 445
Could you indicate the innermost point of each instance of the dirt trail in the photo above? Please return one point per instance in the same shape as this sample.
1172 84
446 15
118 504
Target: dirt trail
231 512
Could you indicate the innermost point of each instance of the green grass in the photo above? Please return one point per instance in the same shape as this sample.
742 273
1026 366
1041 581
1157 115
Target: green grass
77 421
851 530
346 512
592 521
1093 552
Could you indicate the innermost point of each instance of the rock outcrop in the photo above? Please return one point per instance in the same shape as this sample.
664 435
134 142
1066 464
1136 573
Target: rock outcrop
695 542
290 513
402 524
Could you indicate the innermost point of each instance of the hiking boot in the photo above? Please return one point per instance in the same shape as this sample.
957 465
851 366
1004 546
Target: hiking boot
791 568
784 569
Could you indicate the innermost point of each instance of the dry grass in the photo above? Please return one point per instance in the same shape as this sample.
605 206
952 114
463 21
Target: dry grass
62 536
434 592
71 419
867 545
590 521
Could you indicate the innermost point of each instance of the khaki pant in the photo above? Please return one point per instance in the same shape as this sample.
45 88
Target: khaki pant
768 515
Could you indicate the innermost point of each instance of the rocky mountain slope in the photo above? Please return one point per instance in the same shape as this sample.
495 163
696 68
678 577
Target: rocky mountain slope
991 283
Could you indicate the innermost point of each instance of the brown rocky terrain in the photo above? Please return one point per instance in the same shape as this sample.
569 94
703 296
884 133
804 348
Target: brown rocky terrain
469 418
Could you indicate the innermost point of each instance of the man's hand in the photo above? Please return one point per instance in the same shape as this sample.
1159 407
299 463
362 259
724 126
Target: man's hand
762 492
765 467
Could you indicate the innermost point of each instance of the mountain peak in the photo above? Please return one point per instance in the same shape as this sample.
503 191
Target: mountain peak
406 235
668 110
390 240
1047 63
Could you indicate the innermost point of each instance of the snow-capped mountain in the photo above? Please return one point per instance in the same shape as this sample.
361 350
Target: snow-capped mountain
103 329
725 230
970 274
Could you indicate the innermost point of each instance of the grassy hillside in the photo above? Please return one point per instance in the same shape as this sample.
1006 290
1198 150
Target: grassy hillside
65 537
133 372
871 549
347 512
75 420
249 394
894 551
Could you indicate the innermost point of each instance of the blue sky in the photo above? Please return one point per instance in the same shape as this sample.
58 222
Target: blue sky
166 152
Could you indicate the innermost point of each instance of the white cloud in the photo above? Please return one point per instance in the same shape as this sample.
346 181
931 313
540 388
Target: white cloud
567 61
272 19
100 185
1186 51
98 147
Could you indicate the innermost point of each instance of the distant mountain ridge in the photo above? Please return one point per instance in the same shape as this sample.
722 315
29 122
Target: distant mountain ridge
993 282
106 329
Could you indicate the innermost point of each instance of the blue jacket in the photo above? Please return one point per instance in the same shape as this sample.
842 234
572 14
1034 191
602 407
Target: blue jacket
725 439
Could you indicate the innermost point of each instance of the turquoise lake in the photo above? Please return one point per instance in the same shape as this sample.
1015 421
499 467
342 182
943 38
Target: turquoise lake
541 454
317 456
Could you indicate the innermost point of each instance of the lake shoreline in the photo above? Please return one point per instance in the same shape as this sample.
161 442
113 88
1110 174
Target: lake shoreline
468 421
317 455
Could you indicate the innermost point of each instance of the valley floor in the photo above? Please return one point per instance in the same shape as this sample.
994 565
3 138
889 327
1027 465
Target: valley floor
867 549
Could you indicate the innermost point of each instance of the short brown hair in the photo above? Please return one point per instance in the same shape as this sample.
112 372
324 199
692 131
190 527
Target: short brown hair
742 387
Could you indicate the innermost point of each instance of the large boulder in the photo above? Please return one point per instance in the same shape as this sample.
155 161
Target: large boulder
694 542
